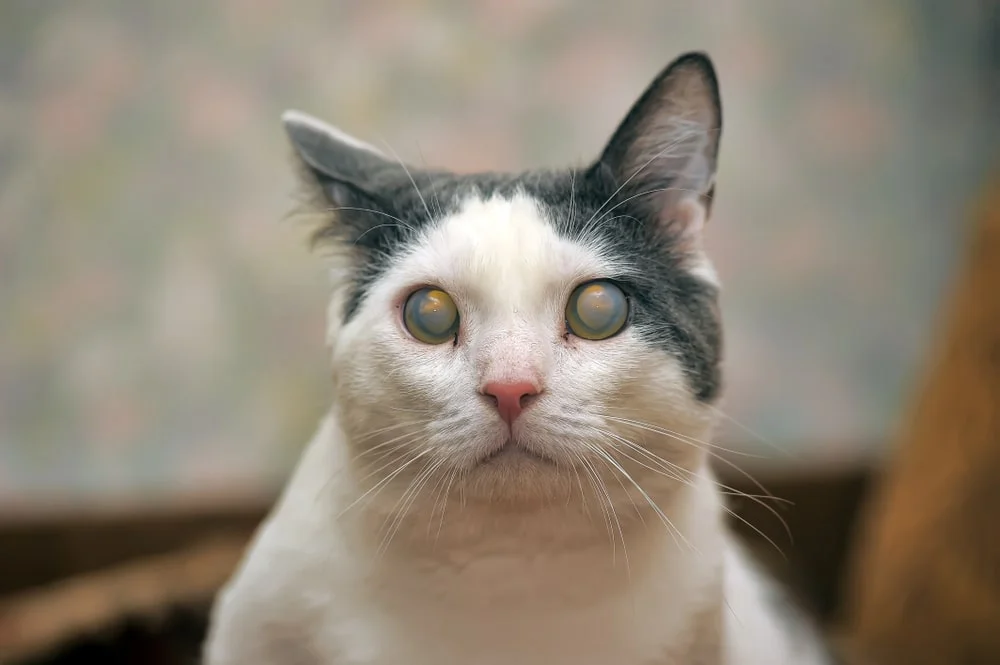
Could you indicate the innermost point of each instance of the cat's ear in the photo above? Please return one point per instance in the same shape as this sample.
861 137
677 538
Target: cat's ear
347 182
662 158
331 157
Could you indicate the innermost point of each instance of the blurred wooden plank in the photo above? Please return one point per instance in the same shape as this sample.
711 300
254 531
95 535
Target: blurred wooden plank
926 585
38 553
41 620
31 511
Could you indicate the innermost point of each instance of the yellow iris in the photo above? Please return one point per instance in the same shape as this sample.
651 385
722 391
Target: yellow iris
596 310
430 315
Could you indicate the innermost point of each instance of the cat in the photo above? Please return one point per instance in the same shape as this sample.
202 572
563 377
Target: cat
514 469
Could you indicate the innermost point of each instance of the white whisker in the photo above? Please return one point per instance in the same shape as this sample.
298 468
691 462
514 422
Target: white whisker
684 438
382 483
433 189
579 484
755 435
407 500
444 502
614 514
388 428
372 211
598 486
729 490
675 533
410 176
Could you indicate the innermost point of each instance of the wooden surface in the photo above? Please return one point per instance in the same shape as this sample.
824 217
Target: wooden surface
926 586
37 621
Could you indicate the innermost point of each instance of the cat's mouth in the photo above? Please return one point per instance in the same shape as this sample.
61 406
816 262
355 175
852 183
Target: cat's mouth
512 452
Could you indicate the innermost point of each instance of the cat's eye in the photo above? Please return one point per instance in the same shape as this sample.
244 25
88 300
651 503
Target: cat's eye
430 315
596 310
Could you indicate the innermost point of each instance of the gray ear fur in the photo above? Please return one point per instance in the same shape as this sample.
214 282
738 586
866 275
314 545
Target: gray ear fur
332 154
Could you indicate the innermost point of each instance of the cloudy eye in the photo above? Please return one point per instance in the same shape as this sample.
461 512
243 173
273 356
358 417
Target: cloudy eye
430 315
596 310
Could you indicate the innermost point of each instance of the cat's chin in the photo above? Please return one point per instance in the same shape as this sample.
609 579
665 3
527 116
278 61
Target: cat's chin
515 474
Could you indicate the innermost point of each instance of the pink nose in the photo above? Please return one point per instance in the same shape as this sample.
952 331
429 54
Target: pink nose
510 398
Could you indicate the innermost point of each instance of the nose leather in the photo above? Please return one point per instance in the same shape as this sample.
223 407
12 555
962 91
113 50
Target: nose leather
510 398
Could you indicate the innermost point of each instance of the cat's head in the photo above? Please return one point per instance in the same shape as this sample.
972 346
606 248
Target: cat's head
514 334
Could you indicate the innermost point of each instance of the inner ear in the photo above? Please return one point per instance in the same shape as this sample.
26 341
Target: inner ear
662 157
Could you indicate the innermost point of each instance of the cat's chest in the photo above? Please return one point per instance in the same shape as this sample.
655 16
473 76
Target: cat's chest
643 626
592 637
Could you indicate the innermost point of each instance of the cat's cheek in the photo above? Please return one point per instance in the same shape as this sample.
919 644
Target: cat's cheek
363 354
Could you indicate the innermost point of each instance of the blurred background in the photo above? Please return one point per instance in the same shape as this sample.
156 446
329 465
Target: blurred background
162 326
161 318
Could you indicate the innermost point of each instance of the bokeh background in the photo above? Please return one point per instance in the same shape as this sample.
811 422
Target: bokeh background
161 318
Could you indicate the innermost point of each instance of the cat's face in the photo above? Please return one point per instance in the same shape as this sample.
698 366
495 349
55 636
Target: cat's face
522 337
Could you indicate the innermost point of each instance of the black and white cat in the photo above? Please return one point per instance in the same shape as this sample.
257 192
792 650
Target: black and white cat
514 468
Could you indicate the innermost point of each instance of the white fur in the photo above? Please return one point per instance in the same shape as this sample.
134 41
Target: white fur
452 562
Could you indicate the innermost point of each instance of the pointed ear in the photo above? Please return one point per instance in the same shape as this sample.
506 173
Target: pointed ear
330 155
344 177
662 158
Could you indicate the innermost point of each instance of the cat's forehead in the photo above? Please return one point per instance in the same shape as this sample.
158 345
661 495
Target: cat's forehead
505 247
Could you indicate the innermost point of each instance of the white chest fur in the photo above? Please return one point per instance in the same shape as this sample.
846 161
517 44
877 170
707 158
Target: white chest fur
547 608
